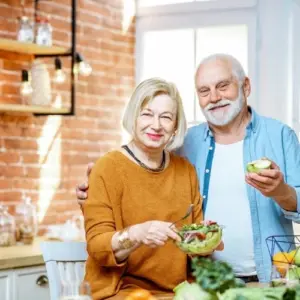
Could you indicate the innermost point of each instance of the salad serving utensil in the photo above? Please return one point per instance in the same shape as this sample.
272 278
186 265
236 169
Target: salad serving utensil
187 214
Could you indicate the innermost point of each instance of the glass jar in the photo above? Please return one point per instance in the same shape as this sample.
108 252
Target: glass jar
26 30
43 32
7 228
26 222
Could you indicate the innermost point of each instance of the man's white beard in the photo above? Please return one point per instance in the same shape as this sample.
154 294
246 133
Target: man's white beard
222 118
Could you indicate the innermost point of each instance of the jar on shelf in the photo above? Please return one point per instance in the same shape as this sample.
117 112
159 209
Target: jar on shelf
26 222
26 30
43 32
7 228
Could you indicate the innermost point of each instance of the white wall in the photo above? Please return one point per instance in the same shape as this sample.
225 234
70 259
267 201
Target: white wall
274 76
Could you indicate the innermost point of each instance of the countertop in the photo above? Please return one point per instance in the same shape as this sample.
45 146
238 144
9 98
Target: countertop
21 255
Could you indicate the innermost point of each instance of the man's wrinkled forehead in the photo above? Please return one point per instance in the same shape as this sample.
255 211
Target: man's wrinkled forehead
211 73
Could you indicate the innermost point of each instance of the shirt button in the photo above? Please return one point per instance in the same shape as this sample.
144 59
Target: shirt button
210 148
206 171
204 196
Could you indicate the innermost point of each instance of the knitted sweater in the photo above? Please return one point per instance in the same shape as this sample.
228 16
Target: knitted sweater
122 193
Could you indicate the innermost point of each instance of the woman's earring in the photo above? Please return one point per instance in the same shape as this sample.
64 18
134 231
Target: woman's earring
173 135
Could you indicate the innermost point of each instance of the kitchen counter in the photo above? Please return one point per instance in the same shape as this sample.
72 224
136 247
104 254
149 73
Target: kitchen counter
22 255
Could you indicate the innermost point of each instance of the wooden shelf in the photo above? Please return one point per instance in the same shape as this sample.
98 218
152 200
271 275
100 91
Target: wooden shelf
32 109
13 46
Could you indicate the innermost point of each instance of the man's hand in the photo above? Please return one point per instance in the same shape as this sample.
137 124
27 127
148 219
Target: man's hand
82 188
271 184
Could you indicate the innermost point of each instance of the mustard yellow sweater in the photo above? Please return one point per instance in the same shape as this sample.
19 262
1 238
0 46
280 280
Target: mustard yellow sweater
121 193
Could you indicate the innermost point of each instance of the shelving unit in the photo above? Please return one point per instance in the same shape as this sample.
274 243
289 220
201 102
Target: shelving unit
32 109
12 46
10 49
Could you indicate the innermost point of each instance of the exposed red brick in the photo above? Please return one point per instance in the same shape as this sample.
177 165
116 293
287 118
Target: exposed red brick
10 157
49 155
11 171
10 196
6 184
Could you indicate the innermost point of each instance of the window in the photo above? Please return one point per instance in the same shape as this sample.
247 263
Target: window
164 56
174 54
143 3
161 2
173 36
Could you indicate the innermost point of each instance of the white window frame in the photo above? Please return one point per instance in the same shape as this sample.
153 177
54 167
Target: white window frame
191 7
196 15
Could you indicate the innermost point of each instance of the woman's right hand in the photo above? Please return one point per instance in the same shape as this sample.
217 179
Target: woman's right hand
153 233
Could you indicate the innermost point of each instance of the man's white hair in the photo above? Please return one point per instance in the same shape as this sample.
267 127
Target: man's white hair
237 68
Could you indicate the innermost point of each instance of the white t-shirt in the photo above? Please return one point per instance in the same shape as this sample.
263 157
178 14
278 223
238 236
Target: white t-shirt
228 204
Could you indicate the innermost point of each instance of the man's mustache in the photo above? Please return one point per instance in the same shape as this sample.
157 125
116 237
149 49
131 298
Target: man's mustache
222 102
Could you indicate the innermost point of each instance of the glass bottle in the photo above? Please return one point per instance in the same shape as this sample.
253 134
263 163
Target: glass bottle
26 221
26 31
7 228
43 32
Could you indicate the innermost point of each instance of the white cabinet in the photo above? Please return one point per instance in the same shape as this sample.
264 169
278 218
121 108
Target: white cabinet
5 285
24 283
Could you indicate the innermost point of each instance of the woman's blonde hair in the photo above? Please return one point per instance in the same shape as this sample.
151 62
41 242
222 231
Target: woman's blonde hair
145 92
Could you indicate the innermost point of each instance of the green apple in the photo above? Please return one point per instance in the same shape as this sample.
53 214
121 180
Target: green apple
191 291
180 286
296 256
258 165
293 274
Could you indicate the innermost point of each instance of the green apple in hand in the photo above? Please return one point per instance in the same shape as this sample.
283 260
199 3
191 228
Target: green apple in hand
258 165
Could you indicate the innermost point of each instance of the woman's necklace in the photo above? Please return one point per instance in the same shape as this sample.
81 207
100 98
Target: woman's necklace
159 169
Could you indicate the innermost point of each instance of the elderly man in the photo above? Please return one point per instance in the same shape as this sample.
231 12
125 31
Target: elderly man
251 206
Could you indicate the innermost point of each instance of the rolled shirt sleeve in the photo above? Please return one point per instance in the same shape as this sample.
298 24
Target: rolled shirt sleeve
292 158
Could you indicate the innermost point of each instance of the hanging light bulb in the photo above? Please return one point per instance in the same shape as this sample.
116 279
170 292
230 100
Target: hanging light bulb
81 66
26 88
59 76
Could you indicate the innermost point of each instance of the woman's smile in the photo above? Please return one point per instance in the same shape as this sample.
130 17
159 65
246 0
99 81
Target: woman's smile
154 136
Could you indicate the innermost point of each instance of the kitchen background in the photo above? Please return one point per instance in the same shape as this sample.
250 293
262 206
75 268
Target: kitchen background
44 157
119 43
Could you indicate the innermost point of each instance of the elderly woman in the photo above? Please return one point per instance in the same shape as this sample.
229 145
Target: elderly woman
135 193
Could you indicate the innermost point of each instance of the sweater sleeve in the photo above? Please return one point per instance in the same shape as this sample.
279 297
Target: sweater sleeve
197 198
104 188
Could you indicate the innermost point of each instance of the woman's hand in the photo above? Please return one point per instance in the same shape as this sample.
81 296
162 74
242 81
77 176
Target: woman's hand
153 233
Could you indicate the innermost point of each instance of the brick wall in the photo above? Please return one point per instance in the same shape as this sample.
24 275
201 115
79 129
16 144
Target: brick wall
45 157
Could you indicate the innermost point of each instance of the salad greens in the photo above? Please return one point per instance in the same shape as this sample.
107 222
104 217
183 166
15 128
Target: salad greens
215 280
214 276
200 238
278 293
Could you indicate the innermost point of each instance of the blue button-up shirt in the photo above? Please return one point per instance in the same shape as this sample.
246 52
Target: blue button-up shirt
265 137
